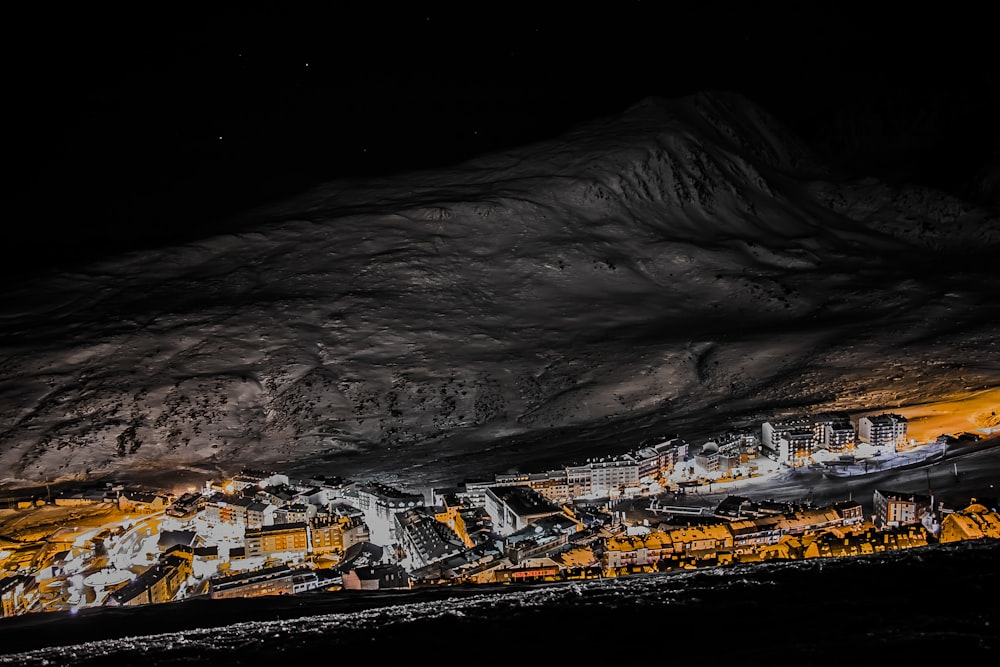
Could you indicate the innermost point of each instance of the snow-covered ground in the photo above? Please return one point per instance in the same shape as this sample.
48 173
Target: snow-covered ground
683 267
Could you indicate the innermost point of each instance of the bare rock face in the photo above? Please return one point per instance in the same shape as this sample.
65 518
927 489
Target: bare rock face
686 267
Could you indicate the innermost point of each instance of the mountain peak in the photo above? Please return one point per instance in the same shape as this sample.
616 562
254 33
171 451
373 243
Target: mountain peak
674 267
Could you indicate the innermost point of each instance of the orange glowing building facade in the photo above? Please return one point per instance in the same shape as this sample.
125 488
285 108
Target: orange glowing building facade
269 581
279 538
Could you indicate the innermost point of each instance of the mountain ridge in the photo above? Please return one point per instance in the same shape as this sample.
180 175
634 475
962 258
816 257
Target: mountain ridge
683 263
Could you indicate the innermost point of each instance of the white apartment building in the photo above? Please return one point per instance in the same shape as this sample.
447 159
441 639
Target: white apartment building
885 430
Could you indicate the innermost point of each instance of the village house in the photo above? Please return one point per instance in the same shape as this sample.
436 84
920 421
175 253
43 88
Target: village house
294 513
893 509
380 503
544 536
531 570
834 543
512 508
551 484
332 534
277 580
187 505
289 539
702 541
227 509
423 539
885 430
475 565
811 519
975 522
159 583
380 576
636 550
752 534
142 501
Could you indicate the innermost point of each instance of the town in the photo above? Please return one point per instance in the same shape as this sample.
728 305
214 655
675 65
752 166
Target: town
263 533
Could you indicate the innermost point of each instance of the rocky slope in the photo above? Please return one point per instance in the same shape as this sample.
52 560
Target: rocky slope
684 267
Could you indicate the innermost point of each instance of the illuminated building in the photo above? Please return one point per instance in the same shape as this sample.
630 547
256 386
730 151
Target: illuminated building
975 522
799 522
446 509
511 508
227 509
424 539
839 436
544 570
473 525
899 509
187 505
279 495
797 432
885 430
605 476
632 550
286 538
375 577
142 501
259 514
796 445
473 493
157 584
611 475
649 462
380 503
315 496
278 580
543 537
850 512
259 479
746 443
579 480
700 540
836 543
511 479
332 534
475 565
751 534
792 440
294 513
661 458
690 544
551 484
708 457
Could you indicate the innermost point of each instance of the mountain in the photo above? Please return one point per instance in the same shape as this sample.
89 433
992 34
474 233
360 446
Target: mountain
686 266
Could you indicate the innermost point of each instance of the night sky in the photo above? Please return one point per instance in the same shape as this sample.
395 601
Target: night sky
143 127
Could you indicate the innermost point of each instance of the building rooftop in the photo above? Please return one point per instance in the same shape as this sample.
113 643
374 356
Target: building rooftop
524 501
278 527
252 576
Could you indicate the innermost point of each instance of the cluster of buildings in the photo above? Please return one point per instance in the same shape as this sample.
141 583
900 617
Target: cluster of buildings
790 442
262 533
746 531
795 439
